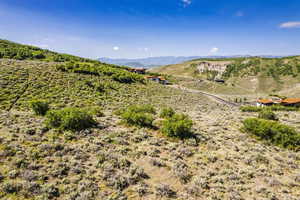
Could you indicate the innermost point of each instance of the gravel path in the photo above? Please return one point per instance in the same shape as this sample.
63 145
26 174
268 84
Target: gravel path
216 98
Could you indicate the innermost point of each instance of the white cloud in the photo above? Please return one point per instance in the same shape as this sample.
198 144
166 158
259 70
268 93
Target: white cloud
239 14
186 2
214 50
116 48
295 24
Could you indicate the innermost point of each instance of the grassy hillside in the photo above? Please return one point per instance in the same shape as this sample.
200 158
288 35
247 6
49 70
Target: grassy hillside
252 75
23 81
91 145
11 50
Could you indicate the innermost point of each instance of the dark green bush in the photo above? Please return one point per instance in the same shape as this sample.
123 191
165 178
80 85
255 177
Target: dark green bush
39 107
126 77
116 73
267 114
138 119
178 125
73 119
276 133
273 108
138 115
283 108
38 55
167 112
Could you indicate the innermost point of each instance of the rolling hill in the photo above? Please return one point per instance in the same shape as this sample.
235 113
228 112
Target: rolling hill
242 75
146 62
75 128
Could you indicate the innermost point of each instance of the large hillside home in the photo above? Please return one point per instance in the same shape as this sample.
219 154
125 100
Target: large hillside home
291 102
264 102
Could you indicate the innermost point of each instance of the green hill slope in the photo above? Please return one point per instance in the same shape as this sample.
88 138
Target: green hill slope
251 75
29 72
12 50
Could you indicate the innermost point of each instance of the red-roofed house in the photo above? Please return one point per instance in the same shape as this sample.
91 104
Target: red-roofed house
264 102
291 102
157 79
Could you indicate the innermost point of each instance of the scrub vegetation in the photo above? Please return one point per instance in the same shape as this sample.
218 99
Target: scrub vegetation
276 133
249 75
272 108
74 128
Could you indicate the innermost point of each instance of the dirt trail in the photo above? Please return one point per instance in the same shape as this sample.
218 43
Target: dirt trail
214 97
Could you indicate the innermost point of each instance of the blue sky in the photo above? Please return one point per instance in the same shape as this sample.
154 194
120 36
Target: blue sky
144 28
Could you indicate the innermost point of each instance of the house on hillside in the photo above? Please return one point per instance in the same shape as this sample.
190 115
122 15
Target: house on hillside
264 102
291 102
153 78
285 102
163 81
157 79
137 70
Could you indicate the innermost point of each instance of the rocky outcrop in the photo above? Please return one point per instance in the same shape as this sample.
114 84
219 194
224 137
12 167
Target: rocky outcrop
212 66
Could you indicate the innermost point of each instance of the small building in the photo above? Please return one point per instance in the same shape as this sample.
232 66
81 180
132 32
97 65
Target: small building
157 79
163 81
264 102
137 70
153 78
291 102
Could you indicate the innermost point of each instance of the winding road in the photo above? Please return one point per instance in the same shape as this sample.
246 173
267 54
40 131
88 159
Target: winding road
214 97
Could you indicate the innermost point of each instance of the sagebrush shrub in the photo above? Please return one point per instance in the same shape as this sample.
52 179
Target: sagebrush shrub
73 119
11 187
167 112
39 107
275 132
139 115
164 190
139 119
142 109
179 125
267 114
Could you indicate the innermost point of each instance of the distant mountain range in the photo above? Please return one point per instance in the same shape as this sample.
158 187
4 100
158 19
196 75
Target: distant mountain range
160 61
148 62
